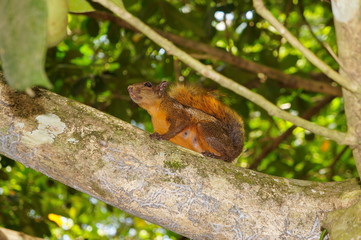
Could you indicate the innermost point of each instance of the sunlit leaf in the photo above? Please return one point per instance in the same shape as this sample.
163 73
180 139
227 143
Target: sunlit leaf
79 6
56 218
23 29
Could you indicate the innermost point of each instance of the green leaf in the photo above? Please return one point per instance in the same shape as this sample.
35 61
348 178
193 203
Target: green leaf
79 6
179 20
289 61
23 30
226 8
113 33
93 27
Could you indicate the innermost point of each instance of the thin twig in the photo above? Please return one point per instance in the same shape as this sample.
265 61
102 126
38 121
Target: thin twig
333 54
266 14
207 71
177 69
324 45
334 162
227 34
276 141
321 43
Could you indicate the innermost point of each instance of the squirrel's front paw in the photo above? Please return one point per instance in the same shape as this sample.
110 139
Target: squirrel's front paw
209 154
156 136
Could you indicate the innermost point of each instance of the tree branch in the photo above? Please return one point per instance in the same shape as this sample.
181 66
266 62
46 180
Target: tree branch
207 71
276 141
8 234
344 82
347 23
291 81
198 197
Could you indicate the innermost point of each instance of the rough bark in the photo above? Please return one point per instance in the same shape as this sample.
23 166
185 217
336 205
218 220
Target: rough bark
178 189
344 223
347 23
7 234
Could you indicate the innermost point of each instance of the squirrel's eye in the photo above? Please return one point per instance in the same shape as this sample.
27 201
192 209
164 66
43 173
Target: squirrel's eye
148 84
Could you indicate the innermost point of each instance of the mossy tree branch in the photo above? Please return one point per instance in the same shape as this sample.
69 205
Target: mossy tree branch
198 197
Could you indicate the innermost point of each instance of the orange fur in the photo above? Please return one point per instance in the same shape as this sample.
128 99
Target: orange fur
187 142
196 97
191 117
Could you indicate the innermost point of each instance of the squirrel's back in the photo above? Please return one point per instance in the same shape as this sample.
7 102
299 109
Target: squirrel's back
197 97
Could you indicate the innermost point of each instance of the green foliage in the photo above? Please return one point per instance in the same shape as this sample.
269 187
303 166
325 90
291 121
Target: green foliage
99 59
78 6
23 32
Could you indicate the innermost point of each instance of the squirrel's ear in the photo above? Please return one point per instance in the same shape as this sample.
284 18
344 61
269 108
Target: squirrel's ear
162 87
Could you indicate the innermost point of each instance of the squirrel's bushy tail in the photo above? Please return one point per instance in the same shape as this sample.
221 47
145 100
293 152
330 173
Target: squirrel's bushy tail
196 97
199 98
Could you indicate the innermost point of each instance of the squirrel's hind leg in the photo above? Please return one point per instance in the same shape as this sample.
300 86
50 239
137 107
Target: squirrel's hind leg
219 143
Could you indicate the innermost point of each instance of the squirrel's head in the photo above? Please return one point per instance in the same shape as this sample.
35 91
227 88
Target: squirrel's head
147 94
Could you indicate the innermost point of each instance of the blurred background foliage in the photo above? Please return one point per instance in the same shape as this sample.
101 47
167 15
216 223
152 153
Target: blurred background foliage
99 59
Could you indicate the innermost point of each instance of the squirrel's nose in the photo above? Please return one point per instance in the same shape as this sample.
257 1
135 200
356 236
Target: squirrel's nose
130 88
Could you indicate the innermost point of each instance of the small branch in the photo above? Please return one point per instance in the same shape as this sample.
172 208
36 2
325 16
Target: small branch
217 54
266 14
276 141
227 34
333 54
177 69
322 44
334 162
207 71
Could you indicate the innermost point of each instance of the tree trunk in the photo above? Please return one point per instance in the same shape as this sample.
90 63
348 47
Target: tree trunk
197 197
348 30
346 223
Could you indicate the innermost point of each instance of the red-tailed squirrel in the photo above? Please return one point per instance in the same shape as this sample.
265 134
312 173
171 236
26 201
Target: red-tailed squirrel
191 117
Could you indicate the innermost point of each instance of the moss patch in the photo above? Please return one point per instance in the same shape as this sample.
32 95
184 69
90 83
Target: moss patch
174 165
344 223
